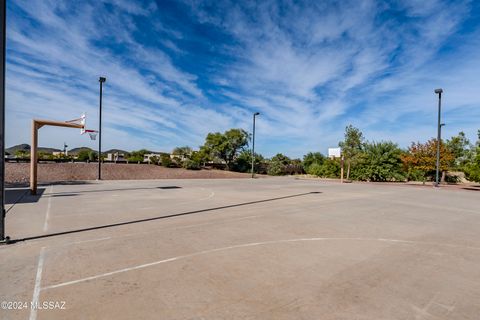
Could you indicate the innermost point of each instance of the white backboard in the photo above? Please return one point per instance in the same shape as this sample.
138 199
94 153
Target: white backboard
334 152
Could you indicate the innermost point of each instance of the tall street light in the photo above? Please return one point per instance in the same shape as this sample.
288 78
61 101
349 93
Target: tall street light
439 136
253 145
101 80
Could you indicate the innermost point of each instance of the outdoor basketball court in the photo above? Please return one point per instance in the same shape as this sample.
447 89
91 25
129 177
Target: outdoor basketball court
274 248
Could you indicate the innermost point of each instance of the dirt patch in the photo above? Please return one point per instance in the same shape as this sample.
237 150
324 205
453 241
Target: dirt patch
18 173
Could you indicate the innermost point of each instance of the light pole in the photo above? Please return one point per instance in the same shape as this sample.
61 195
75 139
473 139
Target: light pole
439 136
101 80
253 145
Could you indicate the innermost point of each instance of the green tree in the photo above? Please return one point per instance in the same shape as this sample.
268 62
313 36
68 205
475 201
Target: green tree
311 158
83 155
165 160
45 156
380 161
62 156
277 166
137 156
202 156
195 160
459 146
184 152
472 169
22 154
92 156
226 146
351 146
243 163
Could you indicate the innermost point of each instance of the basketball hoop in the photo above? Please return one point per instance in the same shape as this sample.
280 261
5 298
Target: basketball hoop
92 134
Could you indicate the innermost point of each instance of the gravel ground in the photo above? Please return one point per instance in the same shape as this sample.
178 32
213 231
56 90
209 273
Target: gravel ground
18 173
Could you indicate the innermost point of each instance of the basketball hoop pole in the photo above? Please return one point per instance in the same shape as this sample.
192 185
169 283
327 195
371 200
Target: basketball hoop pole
37 124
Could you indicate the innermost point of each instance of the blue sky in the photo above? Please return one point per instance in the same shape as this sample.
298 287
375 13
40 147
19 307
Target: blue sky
177 70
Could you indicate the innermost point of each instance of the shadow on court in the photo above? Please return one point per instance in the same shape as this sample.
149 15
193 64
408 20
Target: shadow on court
474 188
160 217
14 196
60 183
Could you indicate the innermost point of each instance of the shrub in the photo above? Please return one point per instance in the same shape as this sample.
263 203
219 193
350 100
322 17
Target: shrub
312 158
472 173
328 169
315 169
276 168
452 178
191 164
380 162
154 160
278 165
243 163
176 162
472 170
166 161
135 158
415 175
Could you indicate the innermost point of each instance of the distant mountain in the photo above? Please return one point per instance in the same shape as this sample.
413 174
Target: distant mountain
75 151
26 147
48 150
19 147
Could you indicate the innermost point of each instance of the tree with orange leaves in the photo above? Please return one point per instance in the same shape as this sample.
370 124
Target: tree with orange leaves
422 158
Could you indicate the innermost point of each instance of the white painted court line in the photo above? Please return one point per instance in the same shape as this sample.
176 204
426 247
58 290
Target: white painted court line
253 244
211 195
38 281
49 206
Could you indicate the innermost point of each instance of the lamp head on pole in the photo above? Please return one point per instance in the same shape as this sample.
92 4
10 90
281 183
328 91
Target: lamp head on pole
438 91
102 79
256 113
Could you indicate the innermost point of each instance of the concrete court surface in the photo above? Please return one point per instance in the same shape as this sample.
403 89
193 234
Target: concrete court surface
275 248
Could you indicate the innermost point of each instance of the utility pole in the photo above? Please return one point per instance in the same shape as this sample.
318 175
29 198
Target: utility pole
253 145
439 136
101 80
